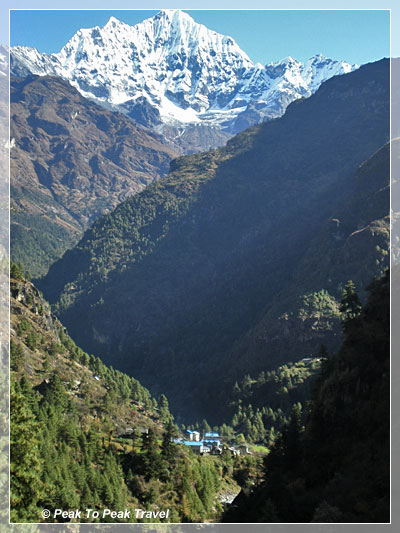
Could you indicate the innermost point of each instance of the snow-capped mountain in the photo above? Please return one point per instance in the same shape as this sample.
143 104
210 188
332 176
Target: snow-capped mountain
169 70
4 61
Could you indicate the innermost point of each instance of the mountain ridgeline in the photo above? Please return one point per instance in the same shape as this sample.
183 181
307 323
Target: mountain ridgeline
168 72
236 261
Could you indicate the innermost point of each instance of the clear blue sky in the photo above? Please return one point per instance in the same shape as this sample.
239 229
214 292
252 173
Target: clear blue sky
355 36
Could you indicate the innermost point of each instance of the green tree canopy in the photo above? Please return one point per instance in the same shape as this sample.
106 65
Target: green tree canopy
350 305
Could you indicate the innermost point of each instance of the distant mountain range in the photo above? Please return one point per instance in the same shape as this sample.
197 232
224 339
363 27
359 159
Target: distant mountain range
235 262
195 86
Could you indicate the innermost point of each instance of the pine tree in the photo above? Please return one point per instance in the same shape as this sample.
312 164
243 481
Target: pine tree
168 448
350 305
29 394
16 270
292 438
31 341
17 356
205 426
165 415
55 394
236 389
185 507
46 364
151 458
26 464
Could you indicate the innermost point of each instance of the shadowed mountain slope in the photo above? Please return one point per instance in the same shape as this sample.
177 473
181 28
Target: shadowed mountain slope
337 469
177 281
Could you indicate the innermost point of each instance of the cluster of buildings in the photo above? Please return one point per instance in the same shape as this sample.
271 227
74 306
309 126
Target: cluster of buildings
211 442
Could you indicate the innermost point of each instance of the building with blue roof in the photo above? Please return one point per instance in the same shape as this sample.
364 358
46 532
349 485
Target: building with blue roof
211 443
197 446
193 435
212 439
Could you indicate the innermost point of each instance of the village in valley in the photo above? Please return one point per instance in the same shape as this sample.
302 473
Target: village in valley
200 442
210 443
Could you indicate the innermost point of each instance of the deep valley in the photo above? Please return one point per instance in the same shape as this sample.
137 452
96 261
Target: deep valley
199 280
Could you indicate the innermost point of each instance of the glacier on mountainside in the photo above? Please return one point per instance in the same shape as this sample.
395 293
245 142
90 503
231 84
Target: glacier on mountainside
171 70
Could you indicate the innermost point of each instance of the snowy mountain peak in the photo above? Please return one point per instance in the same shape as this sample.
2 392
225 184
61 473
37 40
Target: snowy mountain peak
170 69
4 60
112 23
176 18
287 60
317 57
173 14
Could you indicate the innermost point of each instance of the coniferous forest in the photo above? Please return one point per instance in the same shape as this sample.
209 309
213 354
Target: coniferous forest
325 462
84 435
199 282
335 467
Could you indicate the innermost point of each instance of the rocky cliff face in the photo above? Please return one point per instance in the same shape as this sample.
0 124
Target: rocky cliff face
71 161
26 302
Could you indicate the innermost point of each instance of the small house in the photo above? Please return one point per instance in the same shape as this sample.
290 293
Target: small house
244 450
212 442
193 435
212 438
211 435
197 447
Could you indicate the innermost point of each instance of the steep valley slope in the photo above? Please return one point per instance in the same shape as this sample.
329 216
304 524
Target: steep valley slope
337 467
236 261
85 436
71 161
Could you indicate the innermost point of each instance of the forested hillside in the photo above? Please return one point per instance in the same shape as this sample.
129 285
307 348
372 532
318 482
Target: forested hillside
336 468
84 435
235 263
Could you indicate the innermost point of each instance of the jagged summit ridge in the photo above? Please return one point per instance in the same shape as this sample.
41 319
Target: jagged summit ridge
169 69
178 66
